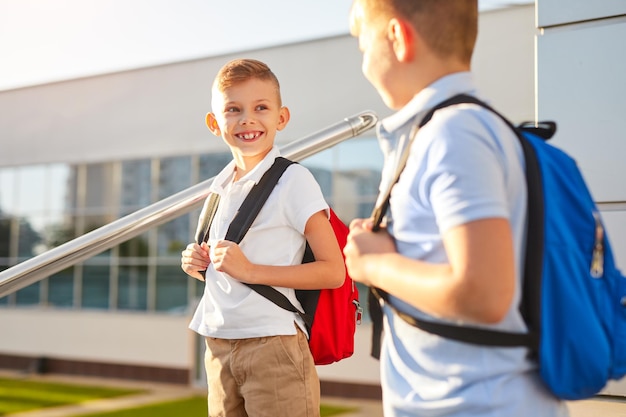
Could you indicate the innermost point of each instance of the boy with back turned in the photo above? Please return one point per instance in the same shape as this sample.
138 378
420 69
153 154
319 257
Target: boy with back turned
453 244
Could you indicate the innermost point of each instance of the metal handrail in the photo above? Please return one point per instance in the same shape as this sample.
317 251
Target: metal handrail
125 228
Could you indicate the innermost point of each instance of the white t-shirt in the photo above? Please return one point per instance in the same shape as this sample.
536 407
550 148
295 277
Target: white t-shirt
229 309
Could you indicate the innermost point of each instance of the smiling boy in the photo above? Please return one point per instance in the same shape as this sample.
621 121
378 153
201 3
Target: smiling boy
258 361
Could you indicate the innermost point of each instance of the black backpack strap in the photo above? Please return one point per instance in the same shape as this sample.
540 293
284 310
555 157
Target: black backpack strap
255 200
206 218
376 315
466 334
250 208
530 305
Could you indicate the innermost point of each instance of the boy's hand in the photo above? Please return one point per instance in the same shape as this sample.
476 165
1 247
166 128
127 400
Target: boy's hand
228 258
194 259
362 246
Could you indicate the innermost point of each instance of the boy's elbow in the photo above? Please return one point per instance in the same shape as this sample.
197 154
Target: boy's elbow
493 317
493 312
481 310
337 277
486 301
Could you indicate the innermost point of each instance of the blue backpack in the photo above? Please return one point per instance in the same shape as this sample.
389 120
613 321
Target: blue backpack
574 297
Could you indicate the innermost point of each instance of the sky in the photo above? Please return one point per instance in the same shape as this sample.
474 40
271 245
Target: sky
44 41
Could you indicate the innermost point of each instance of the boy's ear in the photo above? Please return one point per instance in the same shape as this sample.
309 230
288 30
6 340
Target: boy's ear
211 123
283 117
402 37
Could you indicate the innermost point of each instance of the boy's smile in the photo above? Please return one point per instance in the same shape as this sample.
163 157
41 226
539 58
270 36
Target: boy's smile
249 136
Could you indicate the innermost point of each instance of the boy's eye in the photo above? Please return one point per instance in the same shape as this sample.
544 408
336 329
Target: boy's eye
231 109
261 107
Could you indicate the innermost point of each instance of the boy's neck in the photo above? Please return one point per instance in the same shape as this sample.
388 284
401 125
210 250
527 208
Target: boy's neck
439 68
245 164
427 75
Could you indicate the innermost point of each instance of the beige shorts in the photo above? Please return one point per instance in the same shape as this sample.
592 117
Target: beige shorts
262 377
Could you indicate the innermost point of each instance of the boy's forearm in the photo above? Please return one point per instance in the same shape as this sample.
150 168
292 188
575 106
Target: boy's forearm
432 288
421 284
313 275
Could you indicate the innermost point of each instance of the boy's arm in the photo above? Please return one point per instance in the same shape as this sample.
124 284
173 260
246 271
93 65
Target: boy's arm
328 270
329 267
476 285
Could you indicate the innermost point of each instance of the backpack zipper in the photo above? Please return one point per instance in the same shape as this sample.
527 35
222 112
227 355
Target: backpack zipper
597 257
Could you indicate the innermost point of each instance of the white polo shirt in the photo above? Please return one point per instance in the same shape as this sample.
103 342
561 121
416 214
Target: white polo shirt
464 165
229 309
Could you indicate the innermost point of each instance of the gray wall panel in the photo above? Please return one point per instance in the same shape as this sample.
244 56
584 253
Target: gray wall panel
582 85
559 12
503 62
615 223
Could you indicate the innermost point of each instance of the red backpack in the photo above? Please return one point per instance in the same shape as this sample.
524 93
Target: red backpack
337 314
330 315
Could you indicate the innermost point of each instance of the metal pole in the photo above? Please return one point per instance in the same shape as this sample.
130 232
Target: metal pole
125 228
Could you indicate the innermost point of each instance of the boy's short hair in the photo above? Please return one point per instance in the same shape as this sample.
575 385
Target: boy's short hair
449 27
240 70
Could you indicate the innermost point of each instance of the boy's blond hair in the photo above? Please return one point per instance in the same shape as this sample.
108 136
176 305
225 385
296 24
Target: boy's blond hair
240 70
449 27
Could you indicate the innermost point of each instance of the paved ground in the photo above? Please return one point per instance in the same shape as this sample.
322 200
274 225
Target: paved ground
597 407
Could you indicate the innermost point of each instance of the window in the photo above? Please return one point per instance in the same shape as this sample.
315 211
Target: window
171 288
132 287
44 206
95 284
61 289
136 186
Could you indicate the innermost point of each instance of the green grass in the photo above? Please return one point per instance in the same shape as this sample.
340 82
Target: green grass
17 395
334 410
190 407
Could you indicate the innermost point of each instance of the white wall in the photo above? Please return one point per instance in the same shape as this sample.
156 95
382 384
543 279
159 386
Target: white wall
160 111
504 64
120 338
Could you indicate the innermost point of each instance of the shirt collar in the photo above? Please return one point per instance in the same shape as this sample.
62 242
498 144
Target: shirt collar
435 93
226 175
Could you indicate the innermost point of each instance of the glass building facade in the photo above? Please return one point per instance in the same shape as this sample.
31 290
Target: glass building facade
43 206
